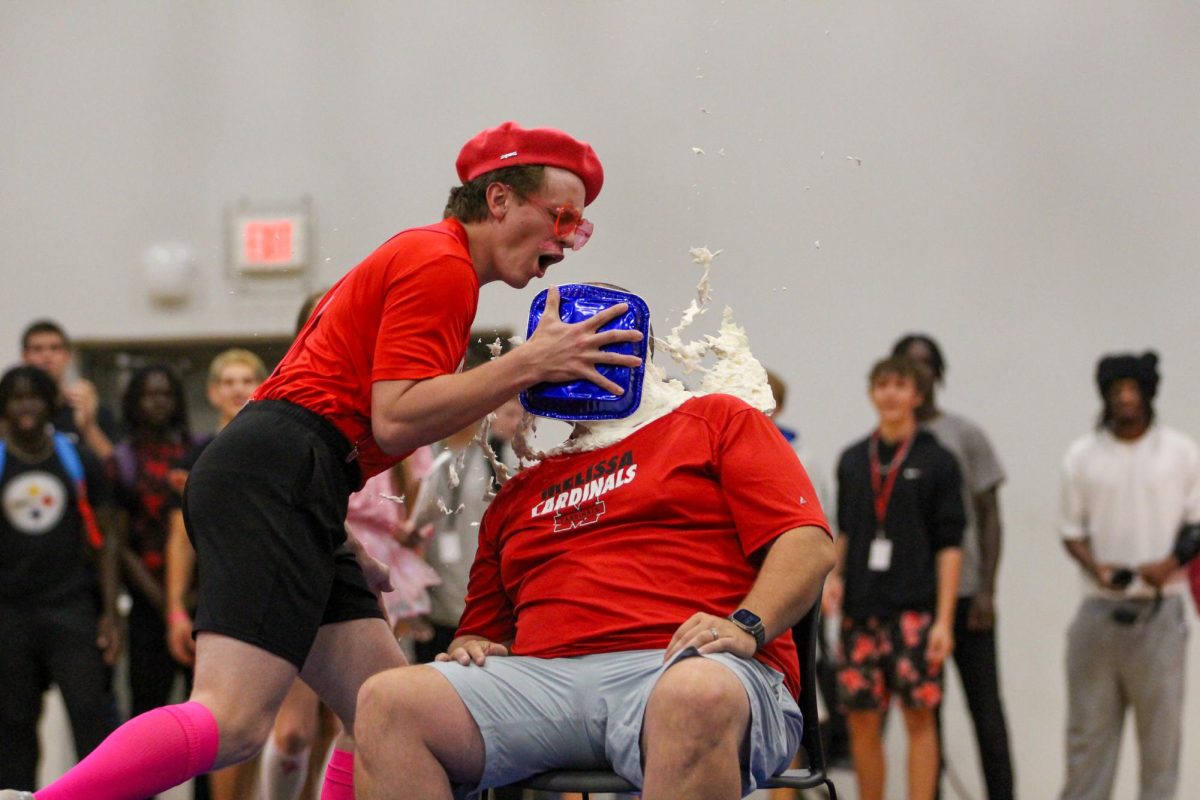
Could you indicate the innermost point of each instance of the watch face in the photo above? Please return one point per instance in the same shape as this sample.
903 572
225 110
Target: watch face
746 617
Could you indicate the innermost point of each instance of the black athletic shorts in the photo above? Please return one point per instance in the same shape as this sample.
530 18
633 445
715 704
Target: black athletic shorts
265 508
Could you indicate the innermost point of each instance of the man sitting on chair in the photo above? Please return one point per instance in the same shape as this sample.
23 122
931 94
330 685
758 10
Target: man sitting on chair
629 608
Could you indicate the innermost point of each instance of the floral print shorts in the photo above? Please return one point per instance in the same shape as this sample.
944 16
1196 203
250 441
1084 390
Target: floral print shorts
879 658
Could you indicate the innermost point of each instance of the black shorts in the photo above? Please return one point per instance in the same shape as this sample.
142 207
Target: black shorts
265 508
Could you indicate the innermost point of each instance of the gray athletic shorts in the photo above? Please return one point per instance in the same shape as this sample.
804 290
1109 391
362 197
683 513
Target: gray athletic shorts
539 714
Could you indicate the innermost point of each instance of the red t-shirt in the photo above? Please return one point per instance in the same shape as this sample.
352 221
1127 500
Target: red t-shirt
404 313
613 549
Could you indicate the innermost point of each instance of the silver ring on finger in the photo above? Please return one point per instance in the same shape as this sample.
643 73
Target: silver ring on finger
714 633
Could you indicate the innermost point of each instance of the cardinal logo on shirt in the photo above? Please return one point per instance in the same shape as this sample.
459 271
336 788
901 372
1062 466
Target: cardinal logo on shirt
570 519
34 502
585 488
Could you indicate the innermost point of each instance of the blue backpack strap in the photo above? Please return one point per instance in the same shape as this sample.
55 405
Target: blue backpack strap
3 455
68 456
64 448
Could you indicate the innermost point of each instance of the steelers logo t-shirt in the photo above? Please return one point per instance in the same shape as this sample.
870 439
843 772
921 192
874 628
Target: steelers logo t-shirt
43 548
34 503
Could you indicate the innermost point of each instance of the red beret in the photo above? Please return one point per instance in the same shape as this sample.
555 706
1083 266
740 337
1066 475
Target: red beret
509 145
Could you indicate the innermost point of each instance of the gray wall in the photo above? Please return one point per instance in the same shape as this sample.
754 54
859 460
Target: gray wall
1027 192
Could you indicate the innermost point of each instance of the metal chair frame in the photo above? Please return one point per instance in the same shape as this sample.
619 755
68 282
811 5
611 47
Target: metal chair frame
590 782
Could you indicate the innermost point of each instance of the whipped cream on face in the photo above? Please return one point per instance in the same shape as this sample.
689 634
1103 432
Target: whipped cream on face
659 398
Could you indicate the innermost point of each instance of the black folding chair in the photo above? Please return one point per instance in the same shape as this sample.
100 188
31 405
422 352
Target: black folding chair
812 775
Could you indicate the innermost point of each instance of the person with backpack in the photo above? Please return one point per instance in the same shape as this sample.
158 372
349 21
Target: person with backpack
58 579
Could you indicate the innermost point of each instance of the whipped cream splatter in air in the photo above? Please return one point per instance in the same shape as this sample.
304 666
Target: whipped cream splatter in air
735 371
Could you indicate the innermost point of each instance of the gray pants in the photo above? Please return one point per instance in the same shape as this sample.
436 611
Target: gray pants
1111 666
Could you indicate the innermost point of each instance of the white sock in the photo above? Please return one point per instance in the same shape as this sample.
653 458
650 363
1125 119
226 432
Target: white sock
282 775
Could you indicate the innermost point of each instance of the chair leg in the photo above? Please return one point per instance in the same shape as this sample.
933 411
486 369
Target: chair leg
832 790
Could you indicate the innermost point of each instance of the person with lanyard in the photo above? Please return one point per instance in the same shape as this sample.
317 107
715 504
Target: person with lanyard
900 522
1130 519
59 578
975 615
373 376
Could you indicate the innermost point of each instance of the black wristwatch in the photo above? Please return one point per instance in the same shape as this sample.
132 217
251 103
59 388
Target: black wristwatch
752 624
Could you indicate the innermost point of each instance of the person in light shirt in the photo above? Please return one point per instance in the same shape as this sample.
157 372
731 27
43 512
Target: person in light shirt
1130 504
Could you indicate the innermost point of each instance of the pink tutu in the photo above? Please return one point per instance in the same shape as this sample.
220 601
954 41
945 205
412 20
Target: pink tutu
374 520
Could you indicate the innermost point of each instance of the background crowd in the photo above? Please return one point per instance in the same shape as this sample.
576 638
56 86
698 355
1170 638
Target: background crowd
96 565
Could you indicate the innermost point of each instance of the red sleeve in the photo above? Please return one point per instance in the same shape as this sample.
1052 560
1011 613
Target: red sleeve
1194 577
489 612
426 320
767 489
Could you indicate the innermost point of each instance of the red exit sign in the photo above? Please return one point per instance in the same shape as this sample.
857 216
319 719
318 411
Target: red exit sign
267 242
270 242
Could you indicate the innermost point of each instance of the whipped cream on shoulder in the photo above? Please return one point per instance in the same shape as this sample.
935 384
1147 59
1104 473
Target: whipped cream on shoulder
660 397
736 371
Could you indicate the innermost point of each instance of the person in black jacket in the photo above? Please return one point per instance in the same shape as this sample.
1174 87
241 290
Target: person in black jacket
900 522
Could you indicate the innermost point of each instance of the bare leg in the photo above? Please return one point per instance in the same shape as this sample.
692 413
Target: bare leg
328 729
415 736
866 747
235 783
286 757
695 722
343 656
923 755
243 686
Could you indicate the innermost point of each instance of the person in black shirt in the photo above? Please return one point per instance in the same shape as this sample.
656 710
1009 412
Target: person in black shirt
58 622
900 522
78 412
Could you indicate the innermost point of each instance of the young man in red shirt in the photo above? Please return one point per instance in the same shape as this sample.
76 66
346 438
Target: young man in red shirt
371 377
636 594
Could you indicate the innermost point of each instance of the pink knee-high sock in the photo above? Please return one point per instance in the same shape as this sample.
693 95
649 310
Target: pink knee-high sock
339 776
147 755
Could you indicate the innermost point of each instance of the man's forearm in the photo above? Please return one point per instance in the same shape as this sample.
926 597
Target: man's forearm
842 546
94 437
790 579
987 512
110 561
949 565
181 561
1081 551
139 576
406 415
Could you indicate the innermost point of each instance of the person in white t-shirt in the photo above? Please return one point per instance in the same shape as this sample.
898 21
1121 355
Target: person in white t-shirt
1130 504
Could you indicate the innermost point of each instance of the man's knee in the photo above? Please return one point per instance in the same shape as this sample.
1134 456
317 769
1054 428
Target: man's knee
292 738
242 730
395 701
416 710
919 720
700 699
